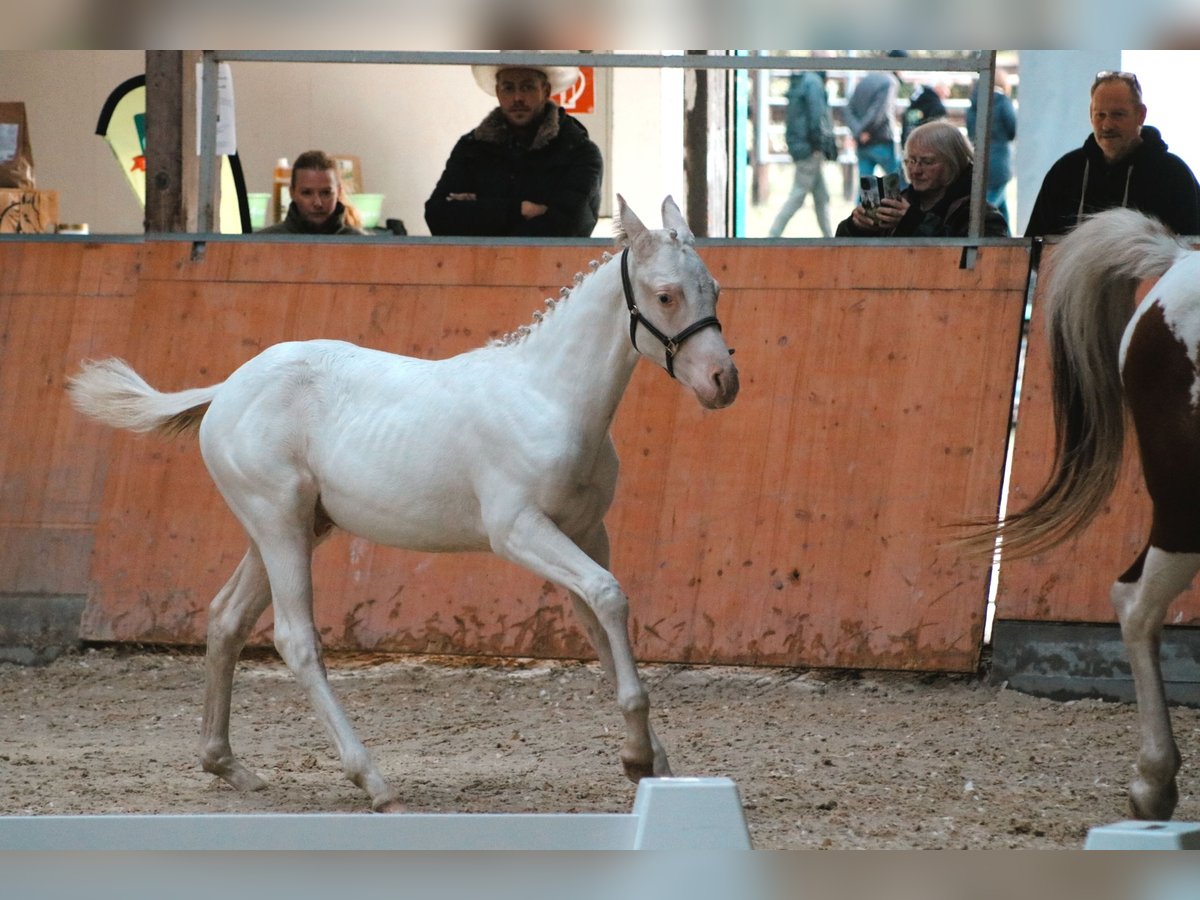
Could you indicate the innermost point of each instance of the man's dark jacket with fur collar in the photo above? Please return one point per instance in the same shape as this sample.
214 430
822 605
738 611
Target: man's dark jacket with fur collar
1149 179
561 169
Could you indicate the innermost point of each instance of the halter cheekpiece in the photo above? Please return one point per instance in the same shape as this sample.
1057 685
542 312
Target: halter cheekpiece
672 344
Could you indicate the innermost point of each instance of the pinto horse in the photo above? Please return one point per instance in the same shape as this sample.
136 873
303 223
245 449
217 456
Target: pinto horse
1105 356
505 448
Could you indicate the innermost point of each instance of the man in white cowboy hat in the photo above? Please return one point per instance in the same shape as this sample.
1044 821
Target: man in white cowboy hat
528 169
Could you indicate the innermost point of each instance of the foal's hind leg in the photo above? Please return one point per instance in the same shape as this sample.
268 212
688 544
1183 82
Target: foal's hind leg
287 553
536 543
1141 600
231 616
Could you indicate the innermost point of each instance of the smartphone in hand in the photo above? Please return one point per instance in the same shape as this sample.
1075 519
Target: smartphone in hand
891 186
869 194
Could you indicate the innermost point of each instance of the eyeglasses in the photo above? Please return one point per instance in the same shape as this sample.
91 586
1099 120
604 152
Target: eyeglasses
1129 78
923 162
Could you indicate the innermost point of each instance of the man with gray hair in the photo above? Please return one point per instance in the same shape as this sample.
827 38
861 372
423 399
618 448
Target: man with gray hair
528 169
1124 162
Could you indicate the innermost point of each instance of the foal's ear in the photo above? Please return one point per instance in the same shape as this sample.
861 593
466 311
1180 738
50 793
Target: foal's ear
627 227
674 221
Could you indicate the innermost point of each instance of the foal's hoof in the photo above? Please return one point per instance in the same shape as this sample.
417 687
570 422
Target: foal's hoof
393 805
1152 804
239 777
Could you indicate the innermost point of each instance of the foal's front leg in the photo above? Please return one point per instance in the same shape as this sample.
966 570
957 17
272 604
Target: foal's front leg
1141 606
596 546
535 542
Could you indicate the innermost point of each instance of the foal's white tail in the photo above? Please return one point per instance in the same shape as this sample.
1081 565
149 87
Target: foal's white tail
110 391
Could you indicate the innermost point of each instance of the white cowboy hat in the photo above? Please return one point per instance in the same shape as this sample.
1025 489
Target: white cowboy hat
560 77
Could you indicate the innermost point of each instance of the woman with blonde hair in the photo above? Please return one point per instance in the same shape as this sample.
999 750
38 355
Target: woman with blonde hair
318 200
939 162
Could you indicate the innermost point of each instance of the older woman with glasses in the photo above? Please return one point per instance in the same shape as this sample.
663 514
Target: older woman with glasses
937 203
1124 162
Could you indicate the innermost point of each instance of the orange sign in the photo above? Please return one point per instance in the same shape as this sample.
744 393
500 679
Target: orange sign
581 96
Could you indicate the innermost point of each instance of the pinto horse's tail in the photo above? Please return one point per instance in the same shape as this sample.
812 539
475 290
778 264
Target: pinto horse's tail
110 391
1092 278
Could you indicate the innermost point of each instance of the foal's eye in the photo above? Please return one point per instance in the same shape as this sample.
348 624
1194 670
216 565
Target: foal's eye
664 299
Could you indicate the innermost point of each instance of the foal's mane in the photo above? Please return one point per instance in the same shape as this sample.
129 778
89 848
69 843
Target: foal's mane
519 335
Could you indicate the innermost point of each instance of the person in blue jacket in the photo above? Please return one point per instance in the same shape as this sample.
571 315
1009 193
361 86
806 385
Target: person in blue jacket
808 131
1003 133
870 116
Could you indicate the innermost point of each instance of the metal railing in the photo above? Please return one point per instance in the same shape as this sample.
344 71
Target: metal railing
982 62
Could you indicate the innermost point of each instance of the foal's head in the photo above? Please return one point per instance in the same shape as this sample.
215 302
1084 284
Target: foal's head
674 300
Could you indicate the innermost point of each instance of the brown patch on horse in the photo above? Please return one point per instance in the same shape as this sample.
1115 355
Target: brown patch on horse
1159 378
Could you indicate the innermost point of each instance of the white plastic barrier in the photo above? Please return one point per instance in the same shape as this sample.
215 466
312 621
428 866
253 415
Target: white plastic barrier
1136 835
668 814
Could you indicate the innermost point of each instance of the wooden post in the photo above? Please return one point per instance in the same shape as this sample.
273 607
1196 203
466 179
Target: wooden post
695 147
164 141
706 139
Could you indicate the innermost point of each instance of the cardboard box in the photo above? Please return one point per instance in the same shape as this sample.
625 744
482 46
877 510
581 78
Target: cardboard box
28 212
16 155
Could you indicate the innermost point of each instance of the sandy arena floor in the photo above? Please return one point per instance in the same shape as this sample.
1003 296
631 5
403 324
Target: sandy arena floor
822 759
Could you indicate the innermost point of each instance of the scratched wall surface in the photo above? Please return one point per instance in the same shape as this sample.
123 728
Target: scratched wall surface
55 299
801 526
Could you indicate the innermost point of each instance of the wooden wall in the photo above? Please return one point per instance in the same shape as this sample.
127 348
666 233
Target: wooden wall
800 526
56 301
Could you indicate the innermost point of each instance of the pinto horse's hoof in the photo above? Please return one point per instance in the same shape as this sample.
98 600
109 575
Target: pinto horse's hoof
635 772
1152 804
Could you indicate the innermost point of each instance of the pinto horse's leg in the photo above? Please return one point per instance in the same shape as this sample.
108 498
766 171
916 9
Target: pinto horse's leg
287 554
1141 598
533 541
231 616
596 546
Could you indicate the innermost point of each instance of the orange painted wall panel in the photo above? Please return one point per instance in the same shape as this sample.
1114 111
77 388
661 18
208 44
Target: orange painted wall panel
54 299
798 527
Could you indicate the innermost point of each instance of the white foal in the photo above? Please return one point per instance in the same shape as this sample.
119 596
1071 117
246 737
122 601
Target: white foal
505 448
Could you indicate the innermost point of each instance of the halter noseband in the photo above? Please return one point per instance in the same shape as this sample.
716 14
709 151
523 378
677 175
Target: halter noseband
672 344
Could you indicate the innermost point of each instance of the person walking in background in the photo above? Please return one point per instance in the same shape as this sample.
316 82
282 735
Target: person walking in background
925 105
528 169
870 117
1003 133
316 206
937 203
1124 162
810 142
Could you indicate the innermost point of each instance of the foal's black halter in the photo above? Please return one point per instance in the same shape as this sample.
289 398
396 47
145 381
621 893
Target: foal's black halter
672 344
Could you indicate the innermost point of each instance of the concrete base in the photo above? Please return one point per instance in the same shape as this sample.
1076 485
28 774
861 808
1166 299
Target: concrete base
37 628
1134 835
1073 661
